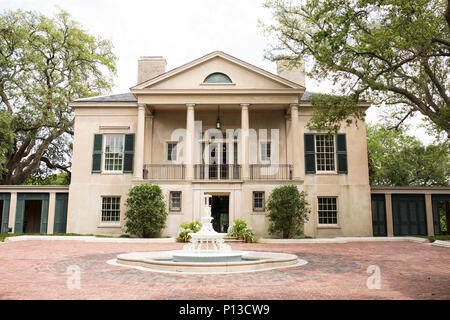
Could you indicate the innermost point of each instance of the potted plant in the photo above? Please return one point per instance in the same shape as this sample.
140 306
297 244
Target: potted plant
237 229
249 236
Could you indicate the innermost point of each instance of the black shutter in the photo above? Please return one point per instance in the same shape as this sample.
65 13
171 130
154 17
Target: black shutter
97 153
341 145
310 154
128 156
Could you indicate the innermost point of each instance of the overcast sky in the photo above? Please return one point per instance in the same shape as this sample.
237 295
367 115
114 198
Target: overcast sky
178 30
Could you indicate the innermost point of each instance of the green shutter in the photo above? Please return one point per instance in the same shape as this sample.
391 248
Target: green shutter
97 153
310 154
128 156
60 223
44 214
20 211
341 146
5 212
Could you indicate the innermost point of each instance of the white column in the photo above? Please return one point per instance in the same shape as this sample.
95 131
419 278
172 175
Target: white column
51 212
148 141
245 141
295 142
12 212
139 145
190 134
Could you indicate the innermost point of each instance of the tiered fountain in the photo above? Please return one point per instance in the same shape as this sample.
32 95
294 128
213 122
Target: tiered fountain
207 253
207 245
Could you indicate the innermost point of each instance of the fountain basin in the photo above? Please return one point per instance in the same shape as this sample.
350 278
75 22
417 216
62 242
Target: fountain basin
162 261
206 256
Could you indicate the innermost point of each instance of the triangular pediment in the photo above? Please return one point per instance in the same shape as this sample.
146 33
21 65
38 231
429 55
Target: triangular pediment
242 74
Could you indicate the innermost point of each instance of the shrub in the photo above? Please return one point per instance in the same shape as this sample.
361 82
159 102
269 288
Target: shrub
146 214
288 211
237 228
188 227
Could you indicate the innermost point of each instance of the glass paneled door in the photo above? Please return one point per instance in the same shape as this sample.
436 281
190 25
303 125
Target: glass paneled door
217 158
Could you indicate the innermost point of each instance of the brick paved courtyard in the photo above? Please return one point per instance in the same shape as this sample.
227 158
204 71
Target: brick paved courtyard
36 269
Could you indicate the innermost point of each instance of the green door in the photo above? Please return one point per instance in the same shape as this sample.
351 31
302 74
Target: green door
60 213
379 215
6 197
20 210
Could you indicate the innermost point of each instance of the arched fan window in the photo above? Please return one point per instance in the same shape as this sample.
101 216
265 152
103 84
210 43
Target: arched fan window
217 77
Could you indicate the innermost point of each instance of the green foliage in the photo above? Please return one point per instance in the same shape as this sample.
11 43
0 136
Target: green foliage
45 63
62 178
237 228
396 159
288 211
391 52
146 214
188 227
331 110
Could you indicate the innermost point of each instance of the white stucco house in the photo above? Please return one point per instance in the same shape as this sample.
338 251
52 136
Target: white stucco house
220 126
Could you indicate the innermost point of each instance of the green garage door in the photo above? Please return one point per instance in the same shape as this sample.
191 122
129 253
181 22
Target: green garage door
409 215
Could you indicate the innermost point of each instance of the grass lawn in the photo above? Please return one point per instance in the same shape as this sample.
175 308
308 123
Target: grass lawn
4 235
434 238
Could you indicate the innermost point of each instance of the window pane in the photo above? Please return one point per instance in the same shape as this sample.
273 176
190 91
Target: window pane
324 152
111 209
113 152
327 210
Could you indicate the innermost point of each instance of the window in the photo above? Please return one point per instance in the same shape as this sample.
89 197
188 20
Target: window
114 152
175 201
110 209
258 200
324 152
327 210
265 151
171 151
217 77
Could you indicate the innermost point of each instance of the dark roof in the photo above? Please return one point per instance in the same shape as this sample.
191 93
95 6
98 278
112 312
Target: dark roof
306 95
123 97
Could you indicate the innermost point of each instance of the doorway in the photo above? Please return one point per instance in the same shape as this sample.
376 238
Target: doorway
441 214
220 213
31 213
32 216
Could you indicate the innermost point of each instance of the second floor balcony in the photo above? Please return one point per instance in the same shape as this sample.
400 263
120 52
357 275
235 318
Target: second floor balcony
218 172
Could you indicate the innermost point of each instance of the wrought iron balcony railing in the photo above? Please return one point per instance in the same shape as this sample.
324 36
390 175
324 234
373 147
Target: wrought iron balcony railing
164 171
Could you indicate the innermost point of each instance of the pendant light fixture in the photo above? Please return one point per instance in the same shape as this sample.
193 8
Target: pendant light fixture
218 123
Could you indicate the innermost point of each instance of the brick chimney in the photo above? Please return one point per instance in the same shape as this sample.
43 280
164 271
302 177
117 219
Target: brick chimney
150 67
296 74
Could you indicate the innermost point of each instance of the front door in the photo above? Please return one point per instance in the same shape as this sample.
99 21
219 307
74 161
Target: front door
219 212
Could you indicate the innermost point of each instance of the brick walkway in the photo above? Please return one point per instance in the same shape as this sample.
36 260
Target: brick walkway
37 270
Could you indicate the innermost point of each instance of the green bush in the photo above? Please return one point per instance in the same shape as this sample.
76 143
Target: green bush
146 214
288 210
188 227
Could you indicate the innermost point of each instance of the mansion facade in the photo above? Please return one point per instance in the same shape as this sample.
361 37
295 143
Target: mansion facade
217 126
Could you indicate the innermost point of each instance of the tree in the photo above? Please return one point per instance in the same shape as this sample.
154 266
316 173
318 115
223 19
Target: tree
44 64
392 52
146 214
396 159
288 211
